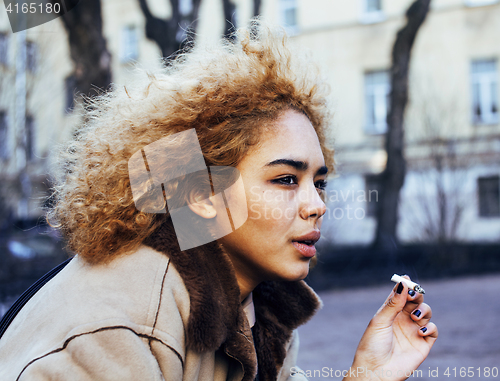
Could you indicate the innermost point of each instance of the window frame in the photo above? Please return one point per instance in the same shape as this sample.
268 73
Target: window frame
287 5
482 212
381 95
129 48
488 93
369 16
185 7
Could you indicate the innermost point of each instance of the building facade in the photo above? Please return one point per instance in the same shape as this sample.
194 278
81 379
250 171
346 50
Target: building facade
452 134
452 131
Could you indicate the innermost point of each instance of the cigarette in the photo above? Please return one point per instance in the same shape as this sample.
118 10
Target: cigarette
411 285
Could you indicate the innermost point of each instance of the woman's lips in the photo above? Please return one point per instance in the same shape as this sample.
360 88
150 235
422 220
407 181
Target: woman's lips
305 243
308 251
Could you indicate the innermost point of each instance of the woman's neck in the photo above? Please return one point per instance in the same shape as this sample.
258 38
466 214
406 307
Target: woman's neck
245 278
246 287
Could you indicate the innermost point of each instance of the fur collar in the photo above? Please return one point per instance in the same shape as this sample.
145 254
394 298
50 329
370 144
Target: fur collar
216 318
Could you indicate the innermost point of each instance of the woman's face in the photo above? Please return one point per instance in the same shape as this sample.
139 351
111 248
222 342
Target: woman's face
283 177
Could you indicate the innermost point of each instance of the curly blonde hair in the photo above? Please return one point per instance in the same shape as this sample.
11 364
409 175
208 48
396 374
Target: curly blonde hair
227 93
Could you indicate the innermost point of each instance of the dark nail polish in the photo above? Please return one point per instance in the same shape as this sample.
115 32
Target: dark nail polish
423 329
411 292
400 288
417 313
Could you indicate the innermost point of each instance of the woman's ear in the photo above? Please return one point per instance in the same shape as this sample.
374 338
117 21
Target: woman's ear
201 205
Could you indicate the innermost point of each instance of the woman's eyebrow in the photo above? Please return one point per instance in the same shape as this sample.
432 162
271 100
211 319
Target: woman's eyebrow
297 164
322 171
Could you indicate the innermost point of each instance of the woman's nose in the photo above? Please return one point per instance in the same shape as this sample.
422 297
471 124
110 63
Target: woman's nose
311 204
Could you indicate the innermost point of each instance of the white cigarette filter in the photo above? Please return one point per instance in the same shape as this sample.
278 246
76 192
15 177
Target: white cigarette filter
411 285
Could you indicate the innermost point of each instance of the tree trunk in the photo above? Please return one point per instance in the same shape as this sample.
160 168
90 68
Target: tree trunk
88 49
392 178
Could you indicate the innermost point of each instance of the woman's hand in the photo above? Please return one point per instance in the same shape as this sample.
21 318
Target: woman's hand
397 340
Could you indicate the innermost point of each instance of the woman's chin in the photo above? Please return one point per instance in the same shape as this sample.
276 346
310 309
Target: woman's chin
295 273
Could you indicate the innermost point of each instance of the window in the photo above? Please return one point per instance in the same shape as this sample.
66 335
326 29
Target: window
31 56
29 131
484 78
130 44
377 90
489 196
372 11
477 3
185 7
373 6
372 185
4 148
4 49
288 13
70 85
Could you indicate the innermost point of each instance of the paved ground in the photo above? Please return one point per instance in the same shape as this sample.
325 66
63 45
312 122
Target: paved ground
466 311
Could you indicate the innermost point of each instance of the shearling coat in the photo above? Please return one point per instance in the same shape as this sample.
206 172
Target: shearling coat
155 314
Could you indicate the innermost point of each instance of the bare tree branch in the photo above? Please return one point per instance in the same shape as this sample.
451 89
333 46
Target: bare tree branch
171 34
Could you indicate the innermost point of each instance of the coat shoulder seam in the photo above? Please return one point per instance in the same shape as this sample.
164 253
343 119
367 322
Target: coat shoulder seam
68 340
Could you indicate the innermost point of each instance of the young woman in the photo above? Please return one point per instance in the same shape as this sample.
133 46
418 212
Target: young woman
145 298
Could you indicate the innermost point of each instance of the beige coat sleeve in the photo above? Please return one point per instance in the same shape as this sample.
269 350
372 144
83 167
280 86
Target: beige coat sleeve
290 371
111 353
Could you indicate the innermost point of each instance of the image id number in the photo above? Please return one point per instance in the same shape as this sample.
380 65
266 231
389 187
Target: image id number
470 372
34 8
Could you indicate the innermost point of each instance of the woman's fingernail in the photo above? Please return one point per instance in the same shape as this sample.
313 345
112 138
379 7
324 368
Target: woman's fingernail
423 329
411 292
417 313
400 288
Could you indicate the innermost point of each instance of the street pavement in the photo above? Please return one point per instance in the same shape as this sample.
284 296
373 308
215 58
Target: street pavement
466 311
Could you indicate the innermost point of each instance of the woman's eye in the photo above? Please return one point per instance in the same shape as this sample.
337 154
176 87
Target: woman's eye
320 185
287 180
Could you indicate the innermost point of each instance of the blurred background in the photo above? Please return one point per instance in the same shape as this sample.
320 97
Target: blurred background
416 129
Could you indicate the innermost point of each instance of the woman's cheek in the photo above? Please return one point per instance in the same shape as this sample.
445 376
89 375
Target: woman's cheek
281 211
290 213
255 213
254 194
